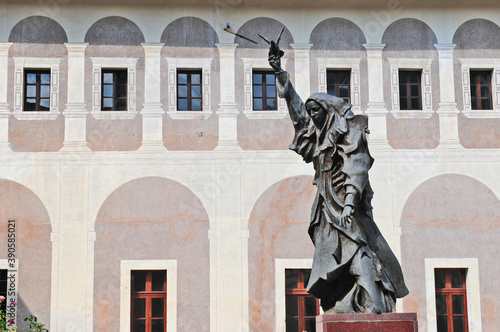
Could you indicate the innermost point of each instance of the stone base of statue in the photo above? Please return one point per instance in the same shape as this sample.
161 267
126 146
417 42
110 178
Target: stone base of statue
390 322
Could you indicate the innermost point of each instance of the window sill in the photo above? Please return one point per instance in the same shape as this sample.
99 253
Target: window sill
113 115
35 115
265 114
482 114
413 114
189 115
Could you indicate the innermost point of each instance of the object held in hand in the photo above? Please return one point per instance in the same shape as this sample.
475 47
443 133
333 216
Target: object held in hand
274 48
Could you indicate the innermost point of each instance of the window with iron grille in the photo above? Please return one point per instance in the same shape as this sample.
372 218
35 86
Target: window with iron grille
301 307
451 300
264 91
338 83
36 90
114 90
480 89
149 301
189 90
410 90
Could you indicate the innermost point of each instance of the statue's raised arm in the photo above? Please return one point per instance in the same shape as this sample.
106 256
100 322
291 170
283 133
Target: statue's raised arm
285 89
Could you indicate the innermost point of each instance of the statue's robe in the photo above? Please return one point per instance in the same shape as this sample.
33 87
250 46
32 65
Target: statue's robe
339 153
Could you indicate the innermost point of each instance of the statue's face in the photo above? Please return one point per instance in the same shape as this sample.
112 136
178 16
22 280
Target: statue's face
317 113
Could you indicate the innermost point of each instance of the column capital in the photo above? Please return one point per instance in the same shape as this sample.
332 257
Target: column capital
4 110
4 48
227 109
152 49
76 48
301 47
55 237
152 109
445 47
374 47
226 49
445 51
91 236
448 109
376 109
76 110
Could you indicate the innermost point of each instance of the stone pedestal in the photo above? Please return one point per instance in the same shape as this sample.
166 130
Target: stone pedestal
367 323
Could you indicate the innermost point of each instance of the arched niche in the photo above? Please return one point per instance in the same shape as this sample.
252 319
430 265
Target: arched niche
38 30
147 219
268 27
189 32
477 34
33 248
449 216
278 229
409 34
114 30
337 34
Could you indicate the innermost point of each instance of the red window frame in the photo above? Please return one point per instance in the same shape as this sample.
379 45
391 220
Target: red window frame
410 90
148 294
299 292
263 83
337 81
448 299
480 88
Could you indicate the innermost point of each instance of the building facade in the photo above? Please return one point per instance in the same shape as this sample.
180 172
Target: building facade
137 138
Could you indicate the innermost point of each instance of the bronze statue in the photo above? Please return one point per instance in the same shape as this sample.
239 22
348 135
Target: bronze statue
354 269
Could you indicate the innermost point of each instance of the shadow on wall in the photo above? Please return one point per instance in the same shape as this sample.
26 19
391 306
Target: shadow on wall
23 311
33 248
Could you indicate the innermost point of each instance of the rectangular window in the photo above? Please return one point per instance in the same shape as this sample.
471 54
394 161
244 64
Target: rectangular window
338 83
36 90
264 91
480 89
149 301
189 90
114 90
451 300
3 289
301 307
410 90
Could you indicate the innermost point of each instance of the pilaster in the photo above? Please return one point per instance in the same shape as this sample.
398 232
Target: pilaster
75 114
73 311
448 112
376 106
4 107
302 70
152 111
228 114
230 305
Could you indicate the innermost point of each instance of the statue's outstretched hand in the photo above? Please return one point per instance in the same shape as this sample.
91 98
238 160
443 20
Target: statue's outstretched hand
346 216
275 55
